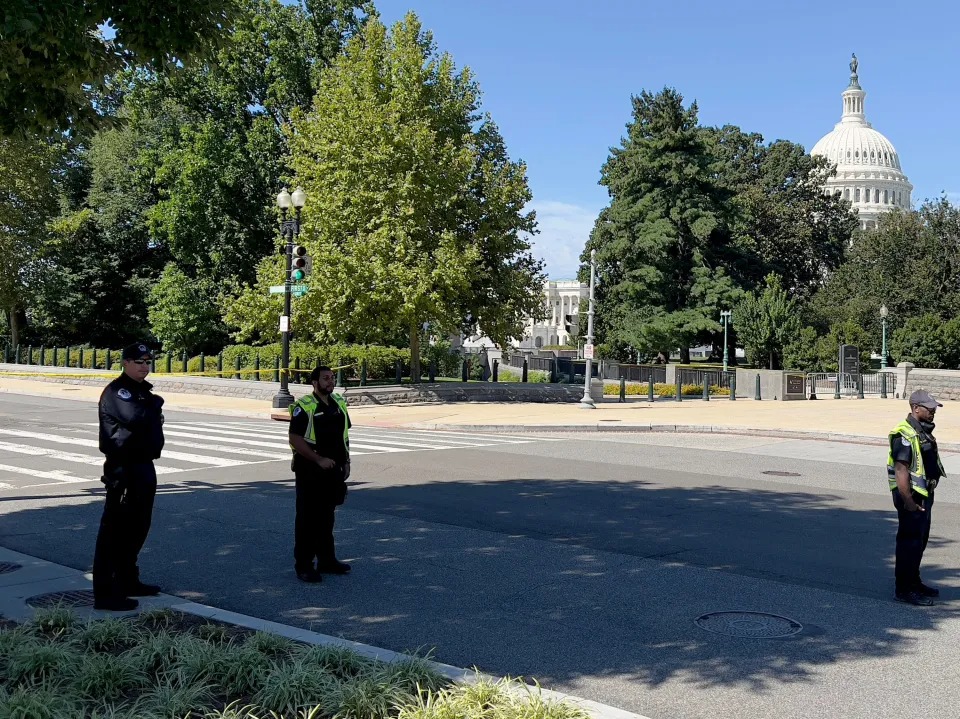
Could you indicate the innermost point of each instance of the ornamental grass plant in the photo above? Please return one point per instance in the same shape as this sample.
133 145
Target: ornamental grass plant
163 664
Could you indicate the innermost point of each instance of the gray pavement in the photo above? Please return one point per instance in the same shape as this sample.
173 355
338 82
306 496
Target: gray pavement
582 562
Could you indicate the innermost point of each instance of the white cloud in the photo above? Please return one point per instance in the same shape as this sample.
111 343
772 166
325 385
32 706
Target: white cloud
564 231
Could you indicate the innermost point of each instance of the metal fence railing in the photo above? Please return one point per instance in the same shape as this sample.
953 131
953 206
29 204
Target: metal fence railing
642 373
712 377
825 383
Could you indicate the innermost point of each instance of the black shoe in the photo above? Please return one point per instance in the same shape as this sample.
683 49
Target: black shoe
334 567
116 604
915 598
139 589
310 576
926 591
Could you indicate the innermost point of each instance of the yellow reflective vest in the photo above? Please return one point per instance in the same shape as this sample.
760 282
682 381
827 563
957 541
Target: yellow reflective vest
308 403
918 475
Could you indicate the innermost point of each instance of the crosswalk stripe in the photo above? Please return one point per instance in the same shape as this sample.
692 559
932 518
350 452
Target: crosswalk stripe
58 475
64 456
232 440
225 449
217 432
492 438
397 437
379 448
65 439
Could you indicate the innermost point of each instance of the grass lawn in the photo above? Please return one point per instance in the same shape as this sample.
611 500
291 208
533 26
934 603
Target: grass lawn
170 665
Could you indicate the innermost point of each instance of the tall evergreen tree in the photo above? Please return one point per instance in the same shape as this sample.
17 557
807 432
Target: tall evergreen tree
663 242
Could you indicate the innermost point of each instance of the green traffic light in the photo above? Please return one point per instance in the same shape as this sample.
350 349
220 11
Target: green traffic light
298 275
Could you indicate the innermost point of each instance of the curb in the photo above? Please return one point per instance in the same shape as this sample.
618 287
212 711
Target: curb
70 578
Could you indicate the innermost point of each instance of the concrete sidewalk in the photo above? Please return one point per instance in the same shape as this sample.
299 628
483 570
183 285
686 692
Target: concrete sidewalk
866 420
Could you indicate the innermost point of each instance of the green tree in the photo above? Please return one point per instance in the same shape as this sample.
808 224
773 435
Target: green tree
662 244
414 213
928 341
182 315
766 323
910 263
54 57
801 352
782 221
30 174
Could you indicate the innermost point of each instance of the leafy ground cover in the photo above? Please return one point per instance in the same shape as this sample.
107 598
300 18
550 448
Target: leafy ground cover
170 665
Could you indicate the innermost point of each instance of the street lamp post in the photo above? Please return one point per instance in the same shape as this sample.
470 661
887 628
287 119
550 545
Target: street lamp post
725 320
587 401
290 231
883 349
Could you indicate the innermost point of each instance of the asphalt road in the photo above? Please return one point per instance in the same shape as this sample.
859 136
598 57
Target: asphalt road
583 561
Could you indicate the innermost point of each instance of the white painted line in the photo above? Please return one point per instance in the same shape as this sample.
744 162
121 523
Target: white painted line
231 440
379 448
65 439
201 429
64 456
225 449
451 443
491 436
57 475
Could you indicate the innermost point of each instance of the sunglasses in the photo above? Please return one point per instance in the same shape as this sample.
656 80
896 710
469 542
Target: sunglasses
140 362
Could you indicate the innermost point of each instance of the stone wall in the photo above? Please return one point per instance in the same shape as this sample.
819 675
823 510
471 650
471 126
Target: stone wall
944 384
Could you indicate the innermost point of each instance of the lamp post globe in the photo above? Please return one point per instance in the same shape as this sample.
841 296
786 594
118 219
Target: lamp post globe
298 198
284 201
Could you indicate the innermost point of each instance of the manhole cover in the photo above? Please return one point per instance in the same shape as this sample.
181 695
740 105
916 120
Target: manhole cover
7 567
74 598
779 473
752 625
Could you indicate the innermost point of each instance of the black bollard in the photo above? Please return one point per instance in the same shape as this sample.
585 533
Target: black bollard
16 354
859 386
236 367
363 372
523 374
813 387
80 358
757 393
66 359
43 355
297 376
55 356
93 363
339 376
733 387
185 362
203 362
276 370
464 370
496 368
650 390
679 389
398 369
109 360
169 360
623 389
432 371
836 387
256 368
220 365
883 385
153 363
706 390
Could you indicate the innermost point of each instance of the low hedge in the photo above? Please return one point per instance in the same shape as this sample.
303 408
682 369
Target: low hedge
663 390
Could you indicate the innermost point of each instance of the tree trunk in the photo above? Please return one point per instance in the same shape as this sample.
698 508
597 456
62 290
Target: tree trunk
415 352
684 355
14 327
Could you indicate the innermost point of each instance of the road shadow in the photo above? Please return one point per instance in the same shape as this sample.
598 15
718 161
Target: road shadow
562 579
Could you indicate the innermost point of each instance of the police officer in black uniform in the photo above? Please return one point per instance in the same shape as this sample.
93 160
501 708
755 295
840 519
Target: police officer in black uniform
319 430
914 470
131 437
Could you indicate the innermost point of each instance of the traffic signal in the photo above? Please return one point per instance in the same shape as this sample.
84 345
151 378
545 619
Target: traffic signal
568 324
298 264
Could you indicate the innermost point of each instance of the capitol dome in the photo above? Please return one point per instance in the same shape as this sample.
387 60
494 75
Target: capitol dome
868 167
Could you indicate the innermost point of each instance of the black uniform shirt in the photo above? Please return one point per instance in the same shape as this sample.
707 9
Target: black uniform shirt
131 421
328 421
903 452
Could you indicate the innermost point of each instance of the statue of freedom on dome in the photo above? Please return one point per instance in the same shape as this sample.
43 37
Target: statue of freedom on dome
854 64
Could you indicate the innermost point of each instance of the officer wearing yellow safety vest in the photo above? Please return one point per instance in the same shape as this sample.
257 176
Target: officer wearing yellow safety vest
320 440
914 469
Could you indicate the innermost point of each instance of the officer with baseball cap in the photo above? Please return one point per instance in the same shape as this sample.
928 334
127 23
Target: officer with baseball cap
913 471
131 437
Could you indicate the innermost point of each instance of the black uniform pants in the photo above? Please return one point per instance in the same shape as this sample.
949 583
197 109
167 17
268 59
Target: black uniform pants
912 535
318 495
124 526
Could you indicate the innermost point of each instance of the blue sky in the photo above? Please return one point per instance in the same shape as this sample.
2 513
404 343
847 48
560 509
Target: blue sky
557 76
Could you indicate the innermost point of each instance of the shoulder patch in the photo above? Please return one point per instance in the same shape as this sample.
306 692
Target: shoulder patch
124 393
298 411
905 441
